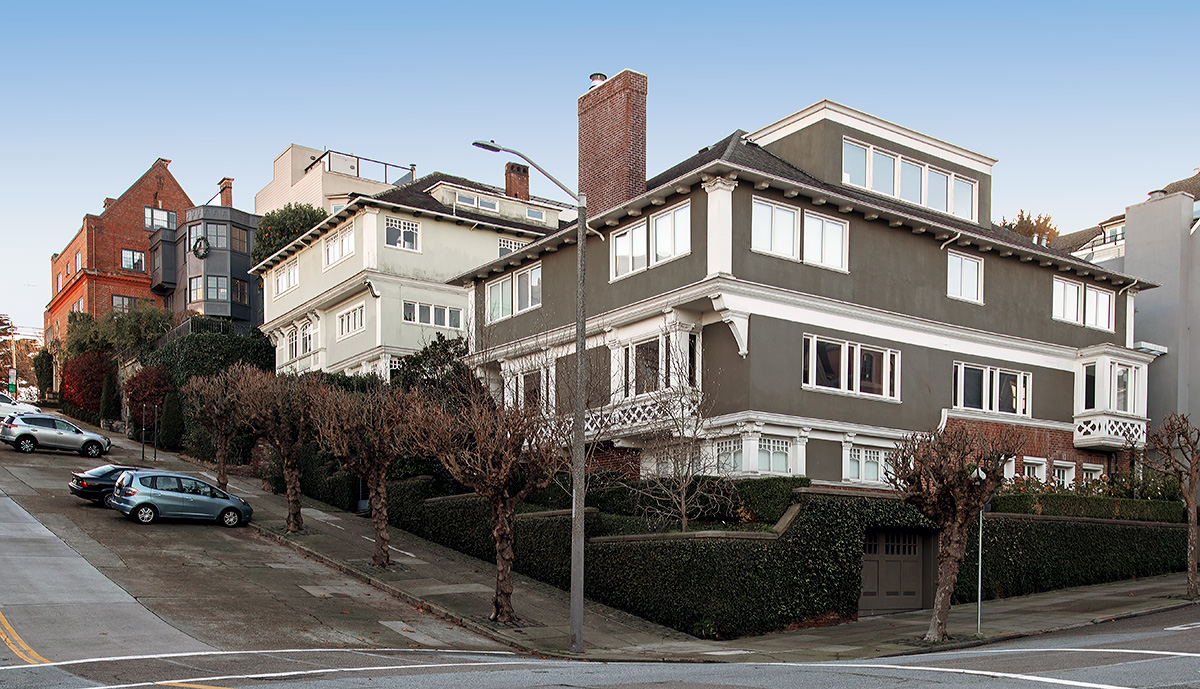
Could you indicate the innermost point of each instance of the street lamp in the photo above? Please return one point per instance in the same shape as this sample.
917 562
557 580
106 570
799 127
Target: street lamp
580 406
979 477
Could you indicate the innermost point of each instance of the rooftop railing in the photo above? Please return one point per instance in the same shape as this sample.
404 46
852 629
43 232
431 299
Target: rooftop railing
366 168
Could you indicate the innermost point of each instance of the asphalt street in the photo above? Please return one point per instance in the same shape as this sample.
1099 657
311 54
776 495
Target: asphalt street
90 599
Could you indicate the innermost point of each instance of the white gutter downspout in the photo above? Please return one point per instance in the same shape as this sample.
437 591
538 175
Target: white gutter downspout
1127 287
946 243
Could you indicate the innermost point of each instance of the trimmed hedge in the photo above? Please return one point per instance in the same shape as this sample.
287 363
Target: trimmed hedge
1068 505
766 499
1023 555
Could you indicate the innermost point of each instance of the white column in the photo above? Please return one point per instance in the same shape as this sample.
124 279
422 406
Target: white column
751 434
468 318
848 443
371 237
617 372
720 225
798 453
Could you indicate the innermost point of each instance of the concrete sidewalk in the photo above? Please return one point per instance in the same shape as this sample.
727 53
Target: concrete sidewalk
459 588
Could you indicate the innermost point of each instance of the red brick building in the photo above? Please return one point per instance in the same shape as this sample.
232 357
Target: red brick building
104 266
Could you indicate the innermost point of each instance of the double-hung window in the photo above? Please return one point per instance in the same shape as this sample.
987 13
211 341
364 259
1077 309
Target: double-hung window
1123 387
402 234
133 260
964 277
825 241
339 245
1068 301
1033 468
629 250
195 289
773 228
352 320
241 291
287 276
672 235
122 304
885 172
78 261
1084 305
293 341
729 455
305 338
515 293
837 365
218 288
217 234
238 240
991 389
1098 308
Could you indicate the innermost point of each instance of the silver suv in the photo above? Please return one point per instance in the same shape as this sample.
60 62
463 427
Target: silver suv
10 406
28 432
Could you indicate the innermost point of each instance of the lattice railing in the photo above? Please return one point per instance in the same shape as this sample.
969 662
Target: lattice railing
673 410
1108 431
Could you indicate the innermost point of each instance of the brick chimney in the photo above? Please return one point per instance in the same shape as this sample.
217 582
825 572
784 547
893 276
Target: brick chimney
516 181
226 185
108 202
612 140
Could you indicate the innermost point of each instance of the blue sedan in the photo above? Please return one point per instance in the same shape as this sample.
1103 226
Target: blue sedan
147 495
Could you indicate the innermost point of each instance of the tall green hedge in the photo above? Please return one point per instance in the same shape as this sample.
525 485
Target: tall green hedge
321 478
1069 505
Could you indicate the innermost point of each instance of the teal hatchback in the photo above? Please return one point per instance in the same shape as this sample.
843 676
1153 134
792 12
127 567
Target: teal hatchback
147 495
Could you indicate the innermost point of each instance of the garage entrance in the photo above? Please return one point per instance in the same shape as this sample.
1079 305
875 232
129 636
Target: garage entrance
892 572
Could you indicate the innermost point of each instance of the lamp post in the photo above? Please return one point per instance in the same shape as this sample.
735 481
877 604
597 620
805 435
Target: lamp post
580 401
979 477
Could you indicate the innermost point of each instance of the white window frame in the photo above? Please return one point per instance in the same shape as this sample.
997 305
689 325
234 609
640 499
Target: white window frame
1038 464
476 201
293 348
78 261
963 258
510 283
850 381
151 211
287 277
1087 469
305 339
991 389
432 309
773 448
403 225
535 214
857 457
59 283
1131 388
844 260
1091 312
728 455
670 370
676 233
352 321
1058 307
642 227
1067 471
776 248
339 245
897 172
546 387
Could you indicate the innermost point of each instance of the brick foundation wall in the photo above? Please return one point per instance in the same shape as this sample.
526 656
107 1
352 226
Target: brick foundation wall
1052 445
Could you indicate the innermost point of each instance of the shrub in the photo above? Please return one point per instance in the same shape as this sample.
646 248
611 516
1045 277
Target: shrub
81 414
144 391
766 499
170 435
110 401
83 380
43 370
1068 505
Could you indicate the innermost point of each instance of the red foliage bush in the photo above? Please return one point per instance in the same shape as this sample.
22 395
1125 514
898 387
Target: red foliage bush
148 386
83 380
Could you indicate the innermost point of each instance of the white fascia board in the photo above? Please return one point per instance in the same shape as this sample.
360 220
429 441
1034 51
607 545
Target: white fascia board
533 201
1009 419
870 124
819 427
1118 352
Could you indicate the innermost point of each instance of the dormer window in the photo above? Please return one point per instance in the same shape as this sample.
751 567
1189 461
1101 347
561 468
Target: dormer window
482 202
887 173
535 214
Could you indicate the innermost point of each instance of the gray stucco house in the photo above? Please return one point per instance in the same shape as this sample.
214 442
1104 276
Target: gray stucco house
831 282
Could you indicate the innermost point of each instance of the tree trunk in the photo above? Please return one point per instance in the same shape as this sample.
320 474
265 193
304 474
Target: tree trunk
1193 543
221 450
377 492
952 547
291 480
502 533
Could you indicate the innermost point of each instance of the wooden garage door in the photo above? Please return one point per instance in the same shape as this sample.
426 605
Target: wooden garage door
891 572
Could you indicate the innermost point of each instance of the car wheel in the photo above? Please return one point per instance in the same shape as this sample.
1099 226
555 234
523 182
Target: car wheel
104 498
231 517
145 514
92 449
108 501
26 444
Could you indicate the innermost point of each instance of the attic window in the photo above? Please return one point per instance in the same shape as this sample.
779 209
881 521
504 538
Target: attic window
535 214
867 166
475 201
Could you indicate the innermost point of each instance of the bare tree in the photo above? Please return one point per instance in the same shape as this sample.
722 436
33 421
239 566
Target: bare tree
1174 449
502 452
280 412
935 472
365 431
217 403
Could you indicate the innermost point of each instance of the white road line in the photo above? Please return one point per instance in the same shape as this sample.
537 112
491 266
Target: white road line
402 552
955 671
1179 654
302 673
1182 627
199 654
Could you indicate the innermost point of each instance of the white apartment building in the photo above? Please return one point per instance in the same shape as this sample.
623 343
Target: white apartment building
326 179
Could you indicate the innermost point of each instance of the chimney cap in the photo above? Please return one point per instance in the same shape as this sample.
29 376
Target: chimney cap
598 78
1158 193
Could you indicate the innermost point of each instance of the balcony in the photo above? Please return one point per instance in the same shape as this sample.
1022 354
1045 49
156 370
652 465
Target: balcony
666 410
1107 430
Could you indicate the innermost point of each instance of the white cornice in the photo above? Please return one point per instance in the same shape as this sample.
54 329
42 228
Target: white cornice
1010 419
836 112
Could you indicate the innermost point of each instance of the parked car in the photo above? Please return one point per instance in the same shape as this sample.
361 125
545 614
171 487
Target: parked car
97 484
10 406
146 495
28 432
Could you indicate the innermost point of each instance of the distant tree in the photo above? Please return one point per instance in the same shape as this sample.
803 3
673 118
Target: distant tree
366 432
85 335
935 472
139 326
110 397
218 402
503 453
170 434
43 368
1026 224
1174 449
279 227
279 409
83 380
6 326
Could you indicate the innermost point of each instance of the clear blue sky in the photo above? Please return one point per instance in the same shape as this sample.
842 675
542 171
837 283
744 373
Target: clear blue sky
1087 106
